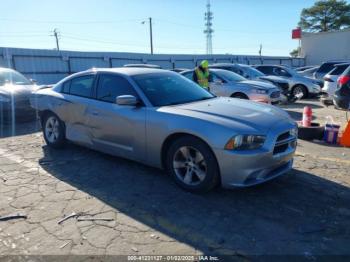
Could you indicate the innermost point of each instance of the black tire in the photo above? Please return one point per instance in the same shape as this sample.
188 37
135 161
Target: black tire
300 89
59 140
240 96
211 178
314 132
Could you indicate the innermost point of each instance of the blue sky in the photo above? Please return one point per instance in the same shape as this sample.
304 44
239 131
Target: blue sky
116 25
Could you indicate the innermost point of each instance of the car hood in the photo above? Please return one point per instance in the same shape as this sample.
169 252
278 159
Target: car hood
19 91
233 113
274 79
259 84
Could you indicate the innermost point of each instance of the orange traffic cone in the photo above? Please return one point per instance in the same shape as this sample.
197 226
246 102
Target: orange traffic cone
345 139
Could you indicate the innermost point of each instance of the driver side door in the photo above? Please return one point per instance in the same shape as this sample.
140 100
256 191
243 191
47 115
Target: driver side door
217 85
117 129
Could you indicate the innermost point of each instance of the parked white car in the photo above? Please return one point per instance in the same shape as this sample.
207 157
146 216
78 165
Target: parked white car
330 79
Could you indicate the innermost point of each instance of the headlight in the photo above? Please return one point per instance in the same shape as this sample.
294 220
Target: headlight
4 99
245 142
294 132
260 91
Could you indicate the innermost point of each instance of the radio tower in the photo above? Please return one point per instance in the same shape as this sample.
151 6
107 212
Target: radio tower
208 17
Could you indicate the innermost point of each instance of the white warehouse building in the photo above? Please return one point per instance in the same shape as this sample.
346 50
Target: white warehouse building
321 47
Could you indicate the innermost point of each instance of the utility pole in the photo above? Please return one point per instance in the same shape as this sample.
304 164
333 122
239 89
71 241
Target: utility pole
56 35
208 17
260 51
151 34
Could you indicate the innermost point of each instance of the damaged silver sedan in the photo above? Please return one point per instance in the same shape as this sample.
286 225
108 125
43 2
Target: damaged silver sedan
164 120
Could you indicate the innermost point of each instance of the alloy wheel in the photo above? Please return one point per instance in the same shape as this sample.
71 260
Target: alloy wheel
52 129
189 165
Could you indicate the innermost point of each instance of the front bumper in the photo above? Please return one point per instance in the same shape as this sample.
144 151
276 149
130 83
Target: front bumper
265 98
248 168
314 89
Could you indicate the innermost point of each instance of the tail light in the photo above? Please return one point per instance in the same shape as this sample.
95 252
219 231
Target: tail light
327 79
342 80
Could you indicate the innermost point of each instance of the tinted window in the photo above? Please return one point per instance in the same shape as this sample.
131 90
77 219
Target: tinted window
65 87
13 77
265 69
112 86
230 76
170 89
82 86
280 72
326 67
188 75
338 70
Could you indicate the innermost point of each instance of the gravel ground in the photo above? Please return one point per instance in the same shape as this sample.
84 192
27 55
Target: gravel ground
305 212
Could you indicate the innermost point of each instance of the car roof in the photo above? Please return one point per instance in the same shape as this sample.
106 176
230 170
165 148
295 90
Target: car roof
128 70
210 69
342 64
2 69
143 65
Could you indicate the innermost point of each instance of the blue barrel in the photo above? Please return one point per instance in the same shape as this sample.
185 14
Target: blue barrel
331 133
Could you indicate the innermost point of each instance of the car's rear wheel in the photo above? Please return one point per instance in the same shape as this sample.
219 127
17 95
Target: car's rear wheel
299 90
240 96
192 164
53 129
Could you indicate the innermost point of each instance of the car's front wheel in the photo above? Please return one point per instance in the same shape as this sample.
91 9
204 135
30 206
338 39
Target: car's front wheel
299 90
192 164
53 129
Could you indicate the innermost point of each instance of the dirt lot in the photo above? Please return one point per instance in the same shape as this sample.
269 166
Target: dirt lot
306 212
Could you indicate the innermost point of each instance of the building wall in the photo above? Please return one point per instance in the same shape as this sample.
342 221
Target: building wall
50 66
321 47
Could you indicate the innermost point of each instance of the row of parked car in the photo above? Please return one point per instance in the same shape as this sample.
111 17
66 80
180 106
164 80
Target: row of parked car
264 83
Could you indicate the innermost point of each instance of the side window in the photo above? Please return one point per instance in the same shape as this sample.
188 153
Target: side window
264 69
111 86
189 75
65 87
280 72
82 86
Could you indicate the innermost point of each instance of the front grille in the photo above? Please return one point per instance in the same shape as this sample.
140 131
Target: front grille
275 94
283 142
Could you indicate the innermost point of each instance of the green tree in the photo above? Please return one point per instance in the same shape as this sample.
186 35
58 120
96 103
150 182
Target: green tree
325 15
294 53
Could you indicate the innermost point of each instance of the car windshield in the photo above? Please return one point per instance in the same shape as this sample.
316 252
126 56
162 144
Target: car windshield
230 76
13 77
170 89
253 73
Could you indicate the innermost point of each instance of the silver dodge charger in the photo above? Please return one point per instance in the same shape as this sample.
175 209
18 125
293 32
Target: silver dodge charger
162 119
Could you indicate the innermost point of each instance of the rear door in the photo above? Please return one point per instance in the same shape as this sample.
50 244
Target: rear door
117 129
72 107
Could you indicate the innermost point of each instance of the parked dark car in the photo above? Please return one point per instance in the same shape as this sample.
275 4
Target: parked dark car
326 68
15 92
342 94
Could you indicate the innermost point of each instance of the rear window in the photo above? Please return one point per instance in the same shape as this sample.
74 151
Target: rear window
347 72
326 67
338 70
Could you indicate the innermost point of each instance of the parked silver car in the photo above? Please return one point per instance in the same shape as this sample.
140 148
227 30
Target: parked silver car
162 119
298 84
226 83
15 91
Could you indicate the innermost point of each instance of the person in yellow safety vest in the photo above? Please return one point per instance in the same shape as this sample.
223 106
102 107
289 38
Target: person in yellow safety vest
201 74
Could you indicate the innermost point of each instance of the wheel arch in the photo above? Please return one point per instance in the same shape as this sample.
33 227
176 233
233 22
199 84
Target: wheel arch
172 137
304 86
235 94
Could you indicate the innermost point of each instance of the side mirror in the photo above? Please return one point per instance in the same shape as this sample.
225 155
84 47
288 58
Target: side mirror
33 81
127 100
